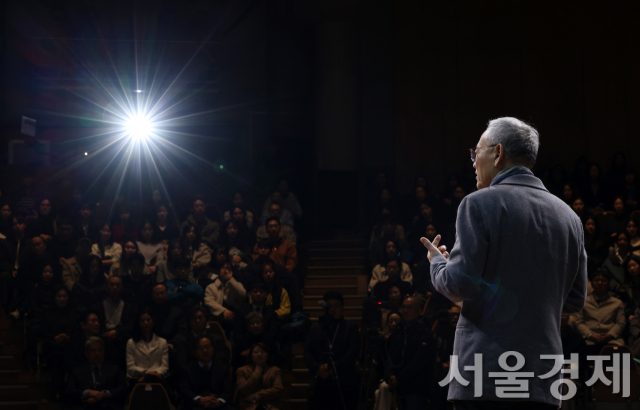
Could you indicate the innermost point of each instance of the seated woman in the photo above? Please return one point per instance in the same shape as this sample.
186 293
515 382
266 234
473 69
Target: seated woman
278 298
238 201
108 250
384 396
259 384
125 228
147 353
232 237
395 301
166 228
224 296
59 325
629 291
150 247
618 255
194 249
123 267
379 273
380 291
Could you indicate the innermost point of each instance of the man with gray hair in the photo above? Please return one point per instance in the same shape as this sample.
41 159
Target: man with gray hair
517 263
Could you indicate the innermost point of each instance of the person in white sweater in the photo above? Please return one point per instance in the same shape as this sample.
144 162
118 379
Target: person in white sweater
224 296
150 247
379 274
147 353
108 250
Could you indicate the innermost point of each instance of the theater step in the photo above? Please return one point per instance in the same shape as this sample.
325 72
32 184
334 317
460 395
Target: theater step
355 319
14 336
10 377
34 392
349 300
319 261
321 290
336 270
9 362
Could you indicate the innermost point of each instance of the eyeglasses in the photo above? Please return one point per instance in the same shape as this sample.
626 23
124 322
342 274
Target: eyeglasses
472 151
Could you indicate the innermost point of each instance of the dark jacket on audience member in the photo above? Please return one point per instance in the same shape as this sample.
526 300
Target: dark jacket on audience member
346 345
195 381
127 320
111 379
411 355
185 346
166 319
75 353
269 319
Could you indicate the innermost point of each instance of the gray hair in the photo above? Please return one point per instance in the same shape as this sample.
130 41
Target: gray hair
92 340
519 139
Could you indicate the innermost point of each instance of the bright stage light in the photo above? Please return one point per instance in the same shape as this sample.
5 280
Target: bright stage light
139 127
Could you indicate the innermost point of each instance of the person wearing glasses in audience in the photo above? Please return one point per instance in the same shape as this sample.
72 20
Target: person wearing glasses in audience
517 263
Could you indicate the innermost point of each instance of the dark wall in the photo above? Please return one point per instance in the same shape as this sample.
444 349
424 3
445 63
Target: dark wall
570 68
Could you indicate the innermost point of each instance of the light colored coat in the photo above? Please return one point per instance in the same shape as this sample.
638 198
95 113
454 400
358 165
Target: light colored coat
379 274
518 259
71 272
267 387
143 357
232 293
604 317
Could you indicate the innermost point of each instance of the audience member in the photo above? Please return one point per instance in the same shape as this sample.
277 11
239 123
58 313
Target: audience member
181 290
258 298
380 238
6 220
185 342
411 353
194 249
618 255
205 228
259 384
255 333
137 284
578 207
283 252
116 316
123 267
379 273
150 247
629 291
147 353
36 257
224 296
380 291
167 268
231 237
85 226
278 297
630 190
91 287
634 330
105 248
568 194
634 240
72 267
286 231
89 327
238 201
286 217
201 384
96 384
331 352
19 243
125 228
166 316
166 229
44 224
594 245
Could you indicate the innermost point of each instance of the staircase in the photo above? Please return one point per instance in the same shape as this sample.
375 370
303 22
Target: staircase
18 387
333 265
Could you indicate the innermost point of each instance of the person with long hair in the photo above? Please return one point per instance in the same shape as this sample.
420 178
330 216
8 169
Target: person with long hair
147 353
166 269
194 249
150 247
165 227
125 228
105 248
259 383
123 268
233 235
618 255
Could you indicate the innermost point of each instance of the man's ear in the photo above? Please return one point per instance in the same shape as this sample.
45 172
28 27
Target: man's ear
499 157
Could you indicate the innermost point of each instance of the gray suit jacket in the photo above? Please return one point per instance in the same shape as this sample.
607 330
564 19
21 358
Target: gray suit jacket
518 260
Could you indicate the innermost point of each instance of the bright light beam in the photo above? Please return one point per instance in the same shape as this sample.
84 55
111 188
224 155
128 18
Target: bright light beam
139 127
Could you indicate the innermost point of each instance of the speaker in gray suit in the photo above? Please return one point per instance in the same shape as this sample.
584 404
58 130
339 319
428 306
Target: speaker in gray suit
517 263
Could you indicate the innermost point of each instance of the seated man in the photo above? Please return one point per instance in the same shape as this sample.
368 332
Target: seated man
89 327
331 352
116 316
183 291
602 319
166 318
224 296
72 267
411 350
207 228
284 216
202 385
185 342
286 231
138 283
96 384
381 289
287 280
379 272
283 252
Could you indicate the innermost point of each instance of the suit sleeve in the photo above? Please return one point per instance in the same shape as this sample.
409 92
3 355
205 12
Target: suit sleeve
460 277
578 292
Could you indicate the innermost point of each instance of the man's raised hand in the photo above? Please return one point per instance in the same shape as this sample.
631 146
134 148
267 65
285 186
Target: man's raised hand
433 248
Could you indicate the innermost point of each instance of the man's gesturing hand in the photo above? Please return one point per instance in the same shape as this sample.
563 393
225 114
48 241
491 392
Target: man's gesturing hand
433 248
